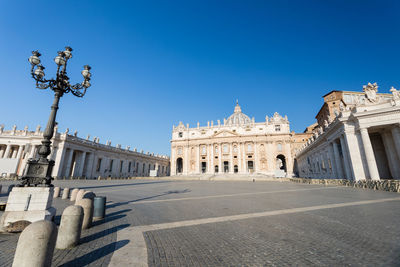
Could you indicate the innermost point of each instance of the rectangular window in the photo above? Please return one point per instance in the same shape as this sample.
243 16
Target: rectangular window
277 128
203 150
225 148
98 166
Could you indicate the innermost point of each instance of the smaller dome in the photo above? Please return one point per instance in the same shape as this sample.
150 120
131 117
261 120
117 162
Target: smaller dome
238 118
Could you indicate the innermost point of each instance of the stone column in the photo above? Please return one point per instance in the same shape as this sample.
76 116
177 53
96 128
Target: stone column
82 164
391 154
14 153
239 156
369 154
338 163
186 160
220 167
19 153
321 170
255 159
2 150
289 160
244 167
6 154
346 160
332 160
198 158
211 156
173 161
396 138
231 158
69 162
90 165
32 152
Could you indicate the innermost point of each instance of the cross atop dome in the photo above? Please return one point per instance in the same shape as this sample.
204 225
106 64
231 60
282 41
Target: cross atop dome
237 107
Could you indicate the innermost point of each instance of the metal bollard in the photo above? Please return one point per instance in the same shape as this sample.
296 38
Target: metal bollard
36 245
89 194
99 208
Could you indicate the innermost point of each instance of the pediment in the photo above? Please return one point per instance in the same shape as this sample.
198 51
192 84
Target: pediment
225 133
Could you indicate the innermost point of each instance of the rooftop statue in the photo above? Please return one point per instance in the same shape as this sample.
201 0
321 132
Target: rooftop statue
370 91
396 93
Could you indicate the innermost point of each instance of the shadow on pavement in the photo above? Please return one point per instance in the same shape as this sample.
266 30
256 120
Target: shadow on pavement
103 233
117 212
146 198
116 185
109 219
96 254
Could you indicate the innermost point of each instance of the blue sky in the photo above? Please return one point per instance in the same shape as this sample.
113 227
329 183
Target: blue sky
155 63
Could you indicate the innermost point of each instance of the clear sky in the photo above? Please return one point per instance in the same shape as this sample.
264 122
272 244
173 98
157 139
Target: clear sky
155 63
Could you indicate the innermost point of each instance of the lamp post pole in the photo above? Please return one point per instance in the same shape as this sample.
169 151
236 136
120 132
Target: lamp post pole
38 172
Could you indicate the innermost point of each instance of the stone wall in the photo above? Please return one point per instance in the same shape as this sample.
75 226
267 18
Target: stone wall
384 185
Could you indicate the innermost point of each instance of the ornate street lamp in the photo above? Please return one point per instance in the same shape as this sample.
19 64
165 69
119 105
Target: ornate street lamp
38 172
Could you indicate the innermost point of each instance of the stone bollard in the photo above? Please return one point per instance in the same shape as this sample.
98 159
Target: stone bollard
36 245
87 205
99 208
74 192
56 192
89 194
70 227
65 193
79 195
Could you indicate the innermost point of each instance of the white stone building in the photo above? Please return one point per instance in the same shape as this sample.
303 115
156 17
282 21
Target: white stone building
76 157
360 139
239 145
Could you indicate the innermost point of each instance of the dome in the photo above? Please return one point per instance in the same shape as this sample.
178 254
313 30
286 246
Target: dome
238 118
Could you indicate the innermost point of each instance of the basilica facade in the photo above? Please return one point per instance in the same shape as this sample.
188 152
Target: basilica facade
237 145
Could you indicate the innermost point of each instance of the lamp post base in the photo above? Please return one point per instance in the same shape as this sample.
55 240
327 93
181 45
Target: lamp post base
38 173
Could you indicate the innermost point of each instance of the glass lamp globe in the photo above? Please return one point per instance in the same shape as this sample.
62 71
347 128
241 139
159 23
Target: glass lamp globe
85 72
59 60
34 59
39 71
67 52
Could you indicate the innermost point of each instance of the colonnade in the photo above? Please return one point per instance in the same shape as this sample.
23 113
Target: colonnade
91 164
355 154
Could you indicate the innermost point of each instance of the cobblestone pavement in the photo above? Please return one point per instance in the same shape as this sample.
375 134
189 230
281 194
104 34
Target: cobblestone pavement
352 235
